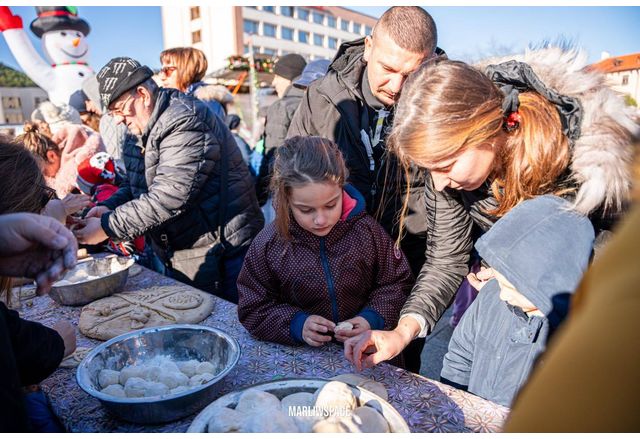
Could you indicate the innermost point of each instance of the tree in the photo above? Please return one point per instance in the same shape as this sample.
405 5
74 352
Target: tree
13 78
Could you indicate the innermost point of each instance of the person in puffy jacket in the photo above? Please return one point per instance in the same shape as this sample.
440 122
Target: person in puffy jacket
187 190
324 260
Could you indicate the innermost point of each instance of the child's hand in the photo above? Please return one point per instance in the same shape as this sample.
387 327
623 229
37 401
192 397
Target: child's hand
68 334
97 212
479 279
75 202
360 325
315 329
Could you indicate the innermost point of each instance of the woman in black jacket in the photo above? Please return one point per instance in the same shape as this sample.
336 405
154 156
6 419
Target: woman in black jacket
489 141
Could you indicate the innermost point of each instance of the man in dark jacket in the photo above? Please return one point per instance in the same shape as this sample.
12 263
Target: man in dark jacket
188 188
279 115
353 106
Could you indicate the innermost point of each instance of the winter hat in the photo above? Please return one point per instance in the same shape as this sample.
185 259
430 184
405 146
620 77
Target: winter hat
290 66
91 90
118 76
58 18
97 169
316 69
56 116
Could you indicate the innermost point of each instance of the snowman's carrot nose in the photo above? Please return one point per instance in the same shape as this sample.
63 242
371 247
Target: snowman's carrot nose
75 42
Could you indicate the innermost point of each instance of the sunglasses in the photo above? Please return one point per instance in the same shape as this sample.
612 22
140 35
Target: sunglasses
48 194
120 110
168 70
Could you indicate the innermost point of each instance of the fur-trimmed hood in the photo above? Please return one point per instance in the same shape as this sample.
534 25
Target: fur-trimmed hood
602 155
208 92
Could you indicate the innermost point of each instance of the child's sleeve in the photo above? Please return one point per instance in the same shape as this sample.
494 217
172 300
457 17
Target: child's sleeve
37 350
392 284
458 361
265 315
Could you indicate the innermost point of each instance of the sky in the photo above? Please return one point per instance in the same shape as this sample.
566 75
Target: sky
465 33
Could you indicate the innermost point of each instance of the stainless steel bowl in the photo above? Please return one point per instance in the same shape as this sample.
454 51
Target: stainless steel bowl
109 282
284 387
180 343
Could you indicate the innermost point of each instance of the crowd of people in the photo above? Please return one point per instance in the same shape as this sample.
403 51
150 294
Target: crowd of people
391 178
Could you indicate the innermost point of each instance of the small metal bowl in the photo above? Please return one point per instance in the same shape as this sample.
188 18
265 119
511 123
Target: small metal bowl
180 343
109 282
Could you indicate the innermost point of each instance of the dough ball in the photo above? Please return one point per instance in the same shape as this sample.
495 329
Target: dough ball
271 420
336 397
188 367
253 401
165 363
107 377
205 367
173 379
299 403
225 420
335 425
139 388
179 389
131 371
364 382
199 379
343 326
152 373
115 390
368 420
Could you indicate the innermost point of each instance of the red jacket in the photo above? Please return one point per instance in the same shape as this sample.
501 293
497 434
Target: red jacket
352 271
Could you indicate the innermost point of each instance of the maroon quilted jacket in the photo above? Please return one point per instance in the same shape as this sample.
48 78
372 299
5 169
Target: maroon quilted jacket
351 271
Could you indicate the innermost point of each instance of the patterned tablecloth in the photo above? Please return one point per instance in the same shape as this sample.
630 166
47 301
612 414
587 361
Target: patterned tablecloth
426 405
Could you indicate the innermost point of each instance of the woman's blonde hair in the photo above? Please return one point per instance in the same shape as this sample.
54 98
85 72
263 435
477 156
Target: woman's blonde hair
191 64
36 139
300 161
447 107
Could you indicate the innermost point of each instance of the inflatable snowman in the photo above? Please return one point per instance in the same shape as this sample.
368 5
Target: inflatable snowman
63 41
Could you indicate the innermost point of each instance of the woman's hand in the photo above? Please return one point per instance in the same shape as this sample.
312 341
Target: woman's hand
90 231
314 331
360 325
68 334
75 202
97 212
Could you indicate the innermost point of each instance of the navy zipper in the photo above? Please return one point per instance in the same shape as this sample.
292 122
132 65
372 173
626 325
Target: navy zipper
327 275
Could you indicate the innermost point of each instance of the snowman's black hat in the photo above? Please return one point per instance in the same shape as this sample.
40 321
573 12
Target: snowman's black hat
56 18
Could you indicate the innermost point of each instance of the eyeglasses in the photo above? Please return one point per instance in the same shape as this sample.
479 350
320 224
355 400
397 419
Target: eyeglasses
167 70
48 194
120 110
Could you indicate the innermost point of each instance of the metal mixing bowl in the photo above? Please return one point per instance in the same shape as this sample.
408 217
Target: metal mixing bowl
180 343
109 282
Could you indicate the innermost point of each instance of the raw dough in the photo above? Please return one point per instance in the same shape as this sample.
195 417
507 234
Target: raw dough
205 367
75 358
200 379
158 306
225 420
336 397
364 382
139 388
115 390
271 420
368 420
335 425
348 326
107 377
188 367
298 402
253 401
173 379
131 371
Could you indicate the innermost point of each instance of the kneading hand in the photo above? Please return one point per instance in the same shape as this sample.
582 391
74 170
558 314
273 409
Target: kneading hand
360 325
90 231
315 329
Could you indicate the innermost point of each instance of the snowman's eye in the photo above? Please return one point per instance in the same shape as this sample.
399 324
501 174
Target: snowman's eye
78 34
64 34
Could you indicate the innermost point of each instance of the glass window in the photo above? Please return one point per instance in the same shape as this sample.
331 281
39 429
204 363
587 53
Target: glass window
332 43
287 11
269 9
303 14
195 12
331 21
625 80
287 33
356 28
303 37
196 37
368 30
318 40
269 51
245 49
269 30
344 25
318 18
250 26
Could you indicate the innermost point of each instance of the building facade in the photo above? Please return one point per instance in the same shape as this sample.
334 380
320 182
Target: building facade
17 103
622 72
222 31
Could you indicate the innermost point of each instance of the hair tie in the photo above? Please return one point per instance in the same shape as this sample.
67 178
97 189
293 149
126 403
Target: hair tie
519 76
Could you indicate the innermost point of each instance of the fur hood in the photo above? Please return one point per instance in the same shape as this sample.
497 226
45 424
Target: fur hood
218 93
602 155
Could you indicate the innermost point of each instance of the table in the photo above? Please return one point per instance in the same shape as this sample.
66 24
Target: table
426 405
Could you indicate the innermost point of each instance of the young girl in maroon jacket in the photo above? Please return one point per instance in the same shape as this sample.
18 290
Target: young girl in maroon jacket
324 260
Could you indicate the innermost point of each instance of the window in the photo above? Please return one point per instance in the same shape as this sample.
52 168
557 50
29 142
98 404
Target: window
368 30
303 14
287 11
318 40
303 37
195 12
245 49
250 26
331 21
196 37
333 43
271 9
11 103
269 30
625 80
344 25
356 28
318 18
269 51
287 33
